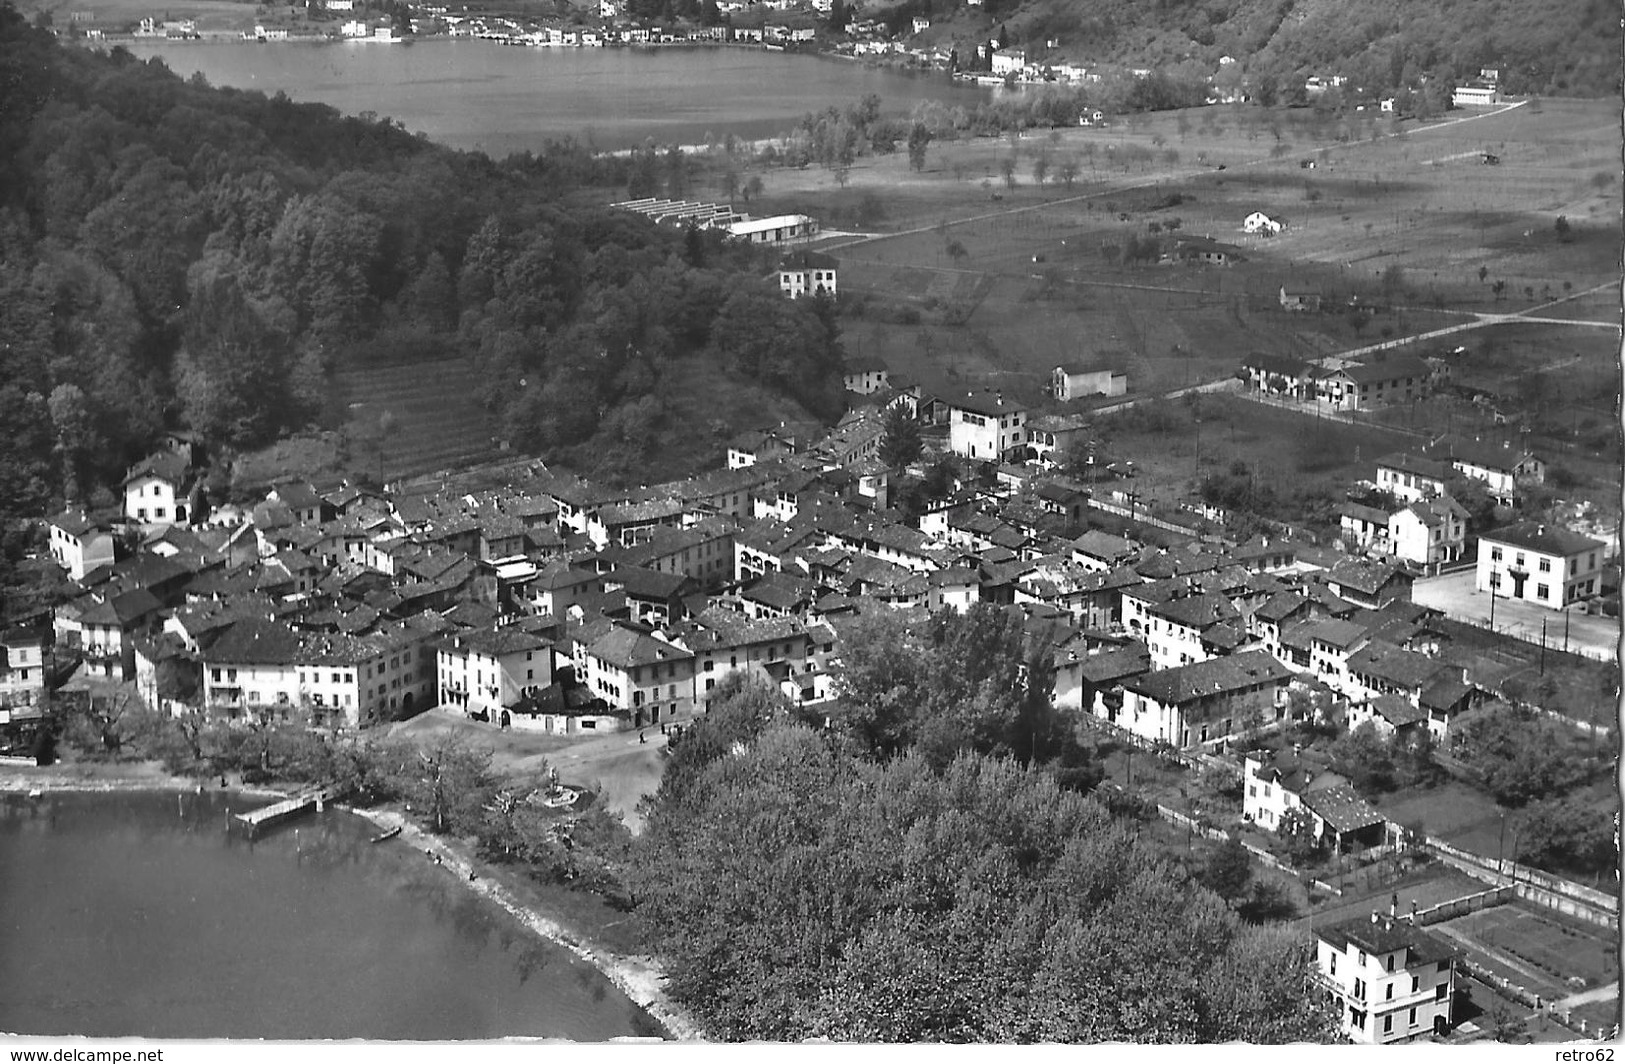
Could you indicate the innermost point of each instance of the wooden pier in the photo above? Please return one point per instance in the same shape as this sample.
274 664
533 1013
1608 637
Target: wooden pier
253 822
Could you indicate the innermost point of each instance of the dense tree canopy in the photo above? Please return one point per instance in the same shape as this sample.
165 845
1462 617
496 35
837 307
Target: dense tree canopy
798 890
178 256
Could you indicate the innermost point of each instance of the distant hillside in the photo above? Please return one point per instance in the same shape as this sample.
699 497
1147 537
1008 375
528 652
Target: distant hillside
1548 47
174 255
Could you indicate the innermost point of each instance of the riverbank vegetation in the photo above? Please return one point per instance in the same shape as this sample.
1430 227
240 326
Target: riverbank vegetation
923 860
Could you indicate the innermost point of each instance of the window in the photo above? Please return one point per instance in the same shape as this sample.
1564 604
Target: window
1495 554
1542 591
1495 580
1520 560
337 680
1388 1023
1334 964
1390 965
1438 991
1545 565
1416 983
1359 984
1390 994
1361 958
214 675
1413 1016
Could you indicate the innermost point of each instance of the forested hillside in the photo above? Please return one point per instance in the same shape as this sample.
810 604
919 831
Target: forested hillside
1550 47
174 256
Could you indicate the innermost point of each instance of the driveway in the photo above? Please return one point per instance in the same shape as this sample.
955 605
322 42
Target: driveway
1454 595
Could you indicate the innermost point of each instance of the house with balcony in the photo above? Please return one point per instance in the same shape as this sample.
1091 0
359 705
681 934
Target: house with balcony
636 669
1503 469
1429 532
486 671
1392 981
22 674
725 641
1541 564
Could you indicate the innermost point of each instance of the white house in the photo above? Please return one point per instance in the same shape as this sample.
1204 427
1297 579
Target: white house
1011 61
1076 379
1259 222
1502 469
1208 700
79 544
1540 564
984 424
22 674
155 490
1410 478
806 273
1391 981
485 671
636 670
1428 532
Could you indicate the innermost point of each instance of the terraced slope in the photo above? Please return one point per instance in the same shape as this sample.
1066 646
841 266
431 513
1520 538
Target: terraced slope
435 421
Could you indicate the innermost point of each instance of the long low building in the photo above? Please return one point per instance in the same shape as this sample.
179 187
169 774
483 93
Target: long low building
1209 700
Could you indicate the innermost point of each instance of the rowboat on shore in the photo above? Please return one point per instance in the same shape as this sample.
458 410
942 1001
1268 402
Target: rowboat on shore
385 836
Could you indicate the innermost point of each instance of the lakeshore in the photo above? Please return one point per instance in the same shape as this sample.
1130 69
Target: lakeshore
469 94
640 978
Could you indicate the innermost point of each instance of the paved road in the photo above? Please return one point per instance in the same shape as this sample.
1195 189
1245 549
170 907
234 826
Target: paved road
1455 596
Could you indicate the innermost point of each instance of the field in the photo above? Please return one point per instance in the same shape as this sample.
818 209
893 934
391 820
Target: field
968 275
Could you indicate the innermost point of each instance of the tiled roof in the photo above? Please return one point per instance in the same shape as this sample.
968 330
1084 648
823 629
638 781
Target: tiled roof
1187 683
1342 808
1547 539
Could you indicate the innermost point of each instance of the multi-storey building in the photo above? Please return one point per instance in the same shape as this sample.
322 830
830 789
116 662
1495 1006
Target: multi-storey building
1391 981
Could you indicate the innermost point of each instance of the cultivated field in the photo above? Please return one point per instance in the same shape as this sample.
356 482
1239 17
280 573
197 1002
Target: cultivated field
973 276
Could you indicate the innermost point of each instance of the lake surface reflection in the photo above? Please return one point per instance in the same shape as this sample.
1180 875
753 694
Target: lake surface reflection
476 94
138 915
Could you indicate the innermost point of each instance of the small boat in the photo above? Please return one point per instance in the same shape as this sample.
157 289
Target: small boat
36 793
385 836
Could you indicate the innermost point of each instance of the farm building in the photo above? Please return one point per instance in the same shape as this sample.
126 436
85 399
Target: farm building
1476 93
1075 380
1260 223
1202 251
1299 300
779 229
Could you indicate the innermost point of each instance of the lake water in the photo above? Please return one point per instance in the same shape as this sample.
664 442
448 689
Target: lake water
130 915
469 93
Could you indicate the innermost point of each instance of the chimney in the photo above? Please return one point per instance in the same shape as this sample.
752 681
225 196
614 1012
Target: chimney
1393 904
1540 530
1376 917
